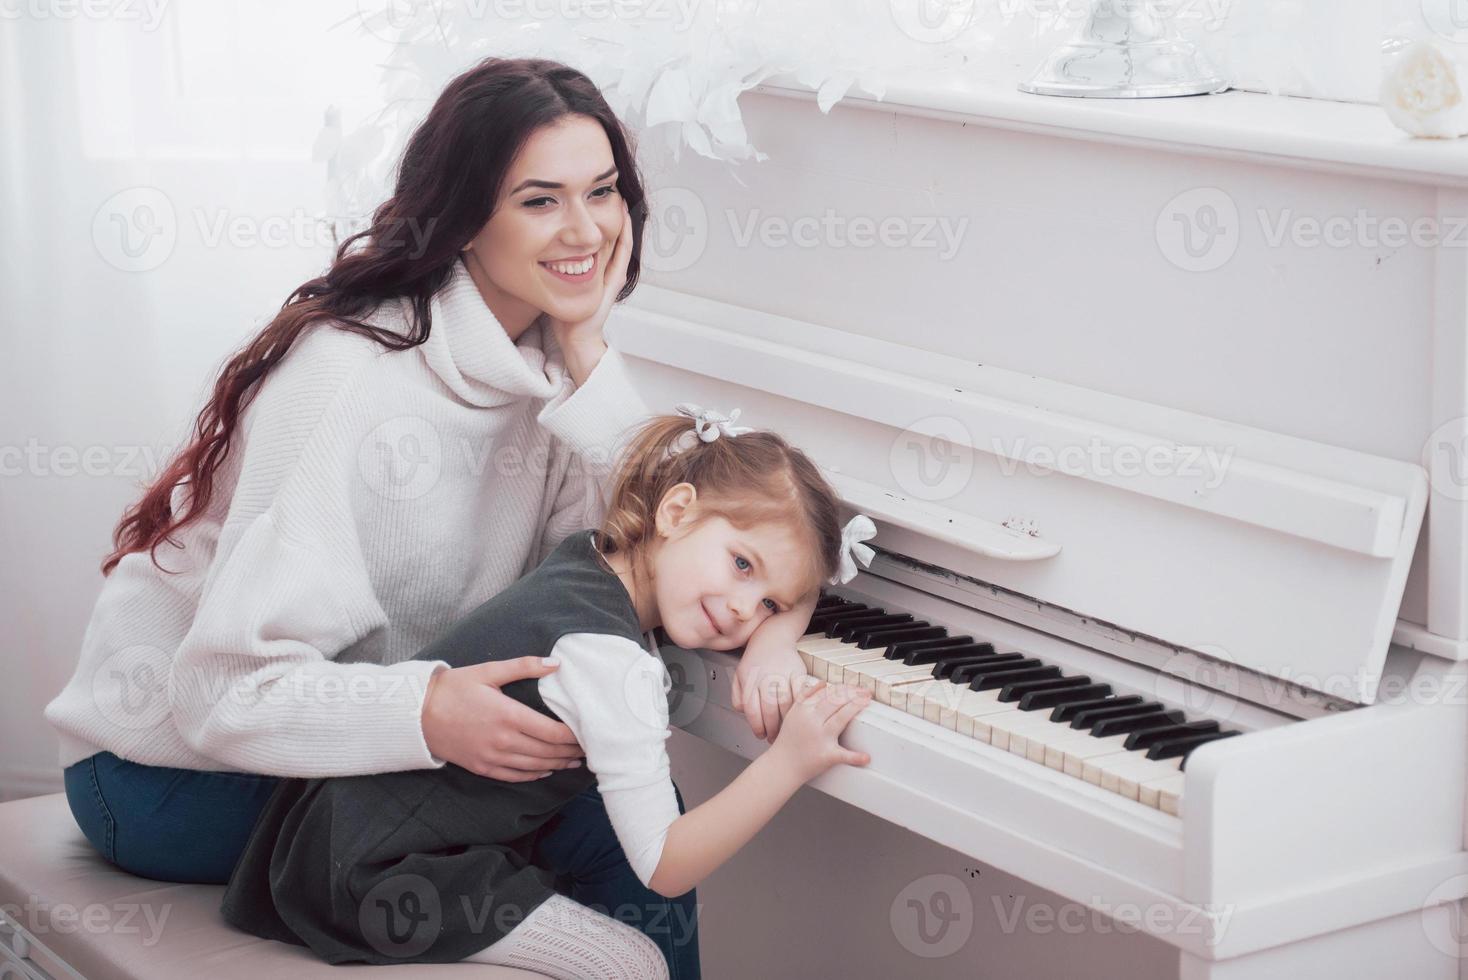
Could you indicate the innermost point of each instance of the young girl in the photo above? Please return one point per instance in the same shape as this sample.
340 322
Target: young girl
711 529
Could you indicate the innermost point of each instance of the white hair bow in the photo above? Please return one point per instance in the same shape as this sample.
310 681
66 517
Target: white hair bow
710 424
860 528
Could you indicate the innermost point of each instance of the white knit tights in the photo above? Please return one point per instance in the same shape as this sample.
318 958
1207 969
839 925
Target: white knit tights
564 939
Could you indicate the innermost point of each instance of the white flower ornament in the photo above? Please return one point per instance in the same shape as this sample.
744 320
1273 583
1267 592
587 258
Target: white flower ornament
710 424
860 528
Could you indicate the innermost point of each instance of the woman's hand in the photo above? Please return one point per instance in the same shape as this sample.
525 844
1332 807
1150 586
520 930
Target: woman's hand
469 721
769 668
808 742
581 342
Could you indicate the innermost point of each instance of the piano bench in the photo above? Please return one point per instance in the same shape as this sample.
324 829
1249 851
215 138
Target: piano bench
65 912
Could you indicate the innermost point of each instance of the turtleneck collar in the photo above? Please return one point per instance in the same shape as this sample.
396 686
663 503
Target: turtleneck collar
472 354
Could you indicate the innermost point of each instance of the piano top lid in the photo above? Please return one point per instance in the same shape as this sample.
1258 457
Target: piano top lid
1278 555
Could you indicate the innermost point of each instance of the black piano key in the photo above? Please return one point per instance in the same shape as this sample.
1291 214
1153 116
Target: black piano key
846 620
885 638
1085 719
1017 690
1121 724
948 651
821 620
1174 747
1067 712
1146 738
849 631
1064 695
988 680
965 673
899 651
827 600
955 667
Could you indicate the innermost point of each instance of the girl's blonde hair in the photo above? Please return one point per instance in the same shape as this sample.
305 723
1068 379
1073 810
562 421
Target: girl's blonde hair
747 479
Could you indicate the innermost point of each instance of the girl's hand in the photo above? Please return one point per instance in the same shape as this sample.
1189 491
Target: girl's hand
769 668
767 673
581 342
469 721
821 712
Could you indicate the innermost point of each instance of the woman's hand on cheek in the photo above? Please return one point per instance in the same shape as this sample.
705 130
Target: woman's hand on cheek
582 342
469 721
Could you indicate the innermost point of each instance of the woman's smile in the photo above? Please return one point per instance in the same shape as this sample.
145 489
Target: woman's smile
586 266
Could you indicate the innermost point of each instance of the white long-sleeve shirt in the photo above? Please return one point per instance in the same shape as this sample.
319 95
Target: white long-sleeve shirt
370 498
614 697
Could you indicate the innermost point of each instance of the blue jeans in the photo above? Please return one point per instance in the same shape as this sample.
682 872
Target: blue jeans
190 826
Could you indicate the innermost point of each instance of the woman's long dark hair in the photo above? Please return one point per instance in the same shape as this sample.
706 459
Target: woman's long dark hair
450 176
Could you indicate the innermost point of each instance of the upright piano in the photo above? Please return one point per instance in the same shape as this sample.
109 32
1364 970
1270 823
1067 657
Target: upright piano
1168 614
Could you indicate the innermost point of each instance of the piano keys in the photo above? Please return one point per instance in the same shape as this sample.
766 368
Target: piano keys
1123 743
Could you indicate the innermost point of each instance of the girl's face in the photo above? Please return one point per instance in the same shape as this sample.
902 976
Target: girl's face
713 583
559 207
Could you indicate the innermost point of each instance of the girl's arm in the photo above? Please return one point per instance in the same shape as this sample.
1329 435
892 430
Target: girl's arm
708 835
769 668
612 694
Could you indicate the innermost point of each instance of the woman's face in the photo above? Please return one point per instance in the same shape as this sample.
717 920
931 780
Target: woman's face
714 583
559 207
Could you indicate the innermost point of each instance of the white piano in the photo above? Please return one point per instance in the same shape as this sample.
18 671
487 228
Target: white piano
1169 614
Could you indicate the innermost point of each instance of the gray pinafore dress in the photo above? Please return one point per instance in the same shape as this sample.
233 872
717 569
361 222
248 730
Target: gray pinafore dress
429 865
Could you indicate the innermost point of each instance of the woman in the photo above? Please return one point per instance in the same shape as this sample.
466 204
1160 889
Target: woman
413 432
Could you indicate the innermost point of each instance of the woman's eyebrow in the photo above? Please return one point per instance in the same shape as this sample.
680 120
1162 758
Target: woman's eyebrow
552 185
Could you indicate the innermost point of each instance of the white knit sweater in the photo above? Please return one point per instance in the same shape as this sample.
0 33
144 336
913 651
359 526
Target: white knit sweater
371 498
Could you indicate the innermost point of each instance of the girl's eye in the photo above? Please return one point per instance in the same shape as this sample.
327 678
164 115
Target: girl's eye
771 606
609 188
741 564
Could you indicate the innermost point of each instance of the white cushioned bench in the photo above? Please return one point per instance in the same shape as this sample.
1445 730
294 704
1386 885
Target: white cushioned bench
83 917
